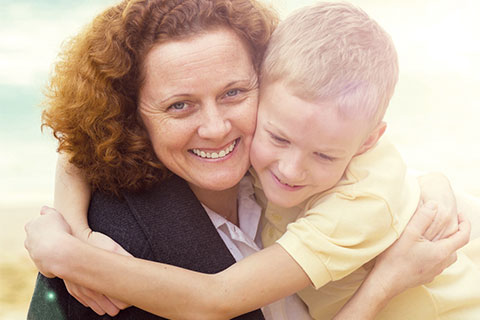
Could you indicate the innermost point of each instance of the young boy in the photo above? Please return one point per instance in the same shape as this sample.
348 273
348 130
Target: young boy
334 196
327 79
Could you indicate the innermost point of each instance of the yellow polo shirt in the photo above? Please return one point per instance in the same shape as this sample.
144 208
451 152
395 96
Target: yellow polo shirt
335 233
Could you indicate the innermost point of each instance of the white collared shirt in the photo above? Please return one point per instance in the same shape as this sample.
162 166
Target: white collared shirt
245 239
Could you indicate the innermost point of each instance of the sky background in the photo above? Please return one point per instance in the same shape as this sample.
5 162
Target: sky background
433 117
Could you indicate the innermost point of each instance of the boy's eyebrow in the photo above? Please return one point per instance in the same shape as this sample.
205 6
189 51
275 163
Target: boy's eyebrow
337 152
282 133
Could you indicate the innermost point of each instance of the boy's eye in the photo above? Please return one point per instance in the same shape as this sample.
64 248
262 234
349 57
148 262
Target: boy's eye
278 139
324 156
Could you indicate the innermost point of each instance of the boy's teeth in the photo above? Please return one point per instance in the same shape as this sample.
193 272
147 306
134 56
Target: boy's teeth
286 183
215 155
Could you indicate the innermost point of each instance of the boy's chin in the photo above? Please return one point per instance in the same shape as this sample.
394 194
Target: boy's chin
282 202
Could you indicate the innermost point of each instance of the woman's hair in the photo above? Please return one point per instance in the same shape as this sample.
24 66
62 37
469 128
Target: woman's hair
92 95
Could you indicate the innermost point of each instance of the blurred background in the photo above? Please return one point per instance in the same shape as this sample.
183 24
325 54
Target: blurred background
433 118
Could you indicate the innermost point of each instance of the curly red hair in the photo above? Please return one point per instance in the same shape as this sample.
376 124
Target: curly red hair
92 95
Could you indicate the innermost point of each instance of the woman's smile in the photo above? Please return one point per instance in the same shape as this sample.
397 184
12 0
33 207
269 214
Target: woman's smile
216 154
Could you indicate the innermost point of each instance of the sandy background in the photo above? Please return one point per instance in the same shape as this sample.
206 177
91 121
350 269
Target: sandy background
17 272
433 118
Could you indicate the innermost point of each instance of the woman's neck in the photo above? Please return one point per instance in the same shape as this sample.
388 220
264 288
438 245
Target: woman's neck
223 202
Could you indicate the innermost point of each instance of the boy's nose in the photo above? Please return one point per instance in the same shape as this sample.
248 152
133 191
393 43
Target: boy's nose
292 170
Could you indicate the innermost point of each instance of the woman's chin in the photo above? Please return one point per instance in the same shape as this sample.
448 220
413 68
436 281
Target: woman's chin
219 181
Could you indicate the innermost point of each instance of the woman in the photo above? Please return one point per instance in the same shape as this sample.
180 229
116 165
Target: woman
184 72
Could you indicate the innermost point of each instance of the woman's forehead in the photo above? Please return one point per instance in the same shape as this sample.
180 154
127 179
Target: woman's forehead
214 58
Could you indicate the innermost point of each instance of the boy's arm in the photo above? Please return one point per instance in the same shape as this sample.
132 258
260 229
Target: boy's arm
72 196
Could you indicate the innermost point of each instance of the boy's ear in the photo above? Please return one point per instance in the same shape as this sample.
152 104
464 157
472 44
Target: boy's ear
372 138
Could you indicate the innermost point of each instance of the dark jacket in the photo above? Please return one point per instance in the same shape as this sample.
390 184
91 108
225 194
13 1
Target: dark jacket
165 224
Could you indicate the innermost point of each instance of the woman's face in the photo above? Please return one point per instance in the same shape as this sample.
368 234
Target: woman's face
198 104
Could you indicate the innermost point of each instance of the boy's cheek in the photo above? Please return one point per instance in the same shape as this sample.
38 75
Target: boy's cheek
259 155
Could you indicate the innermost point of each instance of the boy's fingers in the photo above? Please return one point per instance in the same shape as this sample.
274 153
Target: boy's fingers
79 299
89 298
422 219
26 226
449 261
462 218
435 226
47 210
119 304
94 306
459 238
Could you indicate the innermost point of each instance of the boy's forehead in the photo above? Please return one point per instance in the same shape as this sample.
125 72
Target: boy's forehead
289 96
317 124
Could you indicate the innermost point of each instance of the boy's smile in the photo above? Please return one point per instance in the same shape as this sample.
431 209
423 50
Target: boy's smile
301 147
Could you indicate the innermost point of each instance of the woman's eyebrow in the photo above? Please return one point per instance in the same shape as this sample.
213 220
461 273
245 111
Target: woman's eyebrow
178 95
250 82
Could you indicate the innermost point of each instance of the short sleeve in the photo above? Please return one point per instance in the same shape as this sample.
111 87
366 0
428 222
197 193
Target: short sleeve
338 236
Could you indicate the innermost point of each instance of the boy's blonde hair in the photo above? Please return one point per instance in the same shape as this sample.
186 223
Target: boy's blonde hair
334 52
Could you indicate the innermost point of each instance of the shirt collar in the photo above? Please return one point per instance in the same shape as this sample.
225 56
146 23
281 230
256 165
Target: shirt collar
249 211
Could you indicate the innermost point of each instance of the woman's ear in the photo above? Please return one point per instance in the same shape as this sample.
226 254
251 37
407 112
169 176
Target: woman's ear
372 137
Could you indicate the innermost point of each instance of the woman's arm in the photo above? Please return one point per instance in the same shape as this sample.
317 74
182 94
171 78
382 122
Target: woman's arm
178 293
162 289
254 282
411 261
72 195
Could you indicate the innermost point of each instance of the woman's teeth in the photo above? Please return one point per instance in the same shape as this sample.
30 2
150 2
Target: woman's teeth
215 155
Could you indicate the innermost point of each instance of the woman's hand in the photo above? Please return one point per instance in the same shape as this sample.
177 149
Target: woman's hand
436 187
413 259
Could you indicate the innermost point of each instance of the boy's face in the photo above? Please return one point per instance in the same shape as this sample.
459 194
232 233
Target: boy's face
300 147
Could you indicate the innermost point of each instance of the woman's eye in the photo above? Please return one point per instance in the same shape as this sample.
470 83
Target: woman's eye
178 106
232 93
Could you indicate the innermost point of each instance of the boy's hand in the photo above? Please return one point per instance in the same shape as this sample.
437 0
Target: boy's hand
438 195
43 235
98 302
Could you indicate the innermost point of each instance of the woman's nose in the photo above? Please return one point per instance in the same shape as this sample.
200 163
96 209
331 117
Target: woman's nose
215 124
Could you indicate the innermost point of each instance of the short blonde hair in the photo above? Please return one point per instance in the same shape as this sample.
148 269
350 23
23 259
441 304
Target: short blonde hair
336 52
